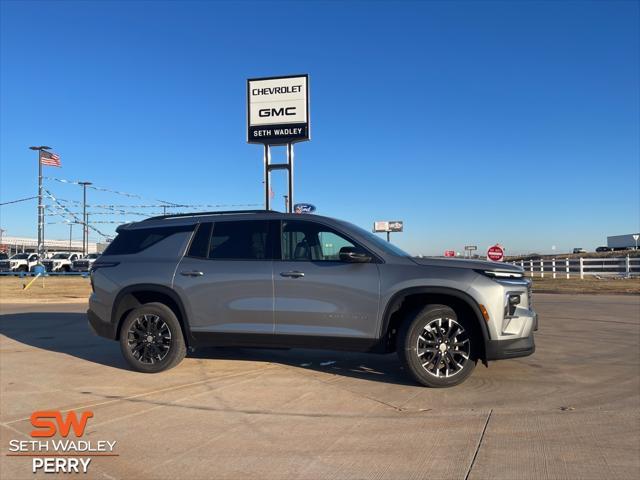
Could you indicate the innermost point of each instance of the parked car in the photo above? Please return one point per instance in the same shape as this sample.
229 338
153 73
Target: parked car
23 262
579 250
84 264
5 266
60 262
267 279
604 249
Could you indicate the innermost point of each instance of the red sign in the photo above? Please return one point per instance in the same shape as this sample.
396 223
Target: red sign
449 253
495 253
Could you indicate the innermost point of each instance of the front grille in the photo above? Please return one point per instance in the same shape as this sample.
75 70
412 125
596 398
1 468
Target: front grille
80 264
48 266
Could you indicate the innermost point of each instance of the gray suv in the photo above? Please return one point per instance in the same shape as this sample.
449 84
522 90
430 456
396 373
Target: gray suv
266 279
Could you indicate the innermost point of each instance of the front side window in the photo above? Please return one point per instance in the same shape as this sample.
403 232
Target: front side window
312 242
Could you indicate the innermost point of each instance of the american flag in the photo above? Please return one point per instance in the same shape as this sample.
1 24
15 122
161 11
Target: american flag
49 158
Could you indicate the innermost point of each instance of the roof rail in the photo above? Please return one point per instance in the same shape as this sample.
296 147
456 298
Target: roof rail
201 214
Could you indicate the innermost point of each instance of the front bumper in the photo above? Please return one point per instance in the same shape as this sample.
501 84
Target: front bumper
502 349
512 348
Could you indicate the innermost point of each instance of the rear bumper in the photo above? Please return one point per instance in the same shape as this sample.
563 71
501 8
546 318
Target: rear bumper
100 327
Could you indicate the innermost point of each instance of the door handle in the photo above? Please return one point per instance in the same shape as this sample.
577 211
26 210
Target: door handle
293 274
192 274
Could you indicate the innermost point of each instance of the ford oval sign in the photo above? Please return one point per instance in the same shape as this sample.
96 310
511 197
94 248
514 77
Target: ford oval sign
304 208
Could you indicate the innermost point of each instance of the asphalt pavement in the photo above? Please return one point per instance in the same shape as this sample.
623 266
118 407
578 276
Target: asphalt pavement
570 411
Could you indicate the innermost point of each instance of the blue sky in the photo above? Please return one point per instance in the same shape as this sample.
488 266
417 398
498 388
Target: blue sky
474 122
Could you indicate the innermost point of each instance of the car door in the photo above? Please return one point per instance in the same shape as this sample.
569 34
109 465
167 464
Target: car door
317 294
226 278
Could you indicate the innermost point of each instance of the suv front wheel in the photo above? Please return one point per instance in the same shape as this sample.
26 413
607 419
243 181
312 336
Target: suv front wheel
151 338
436 347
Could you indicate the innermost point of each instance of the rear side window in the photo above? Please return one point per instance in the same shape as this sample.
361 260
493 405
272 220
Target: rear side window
200 243
243 240
135 241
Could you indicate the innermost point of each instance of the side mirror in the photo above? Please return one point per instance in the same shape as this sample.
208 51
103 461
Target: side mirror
353 255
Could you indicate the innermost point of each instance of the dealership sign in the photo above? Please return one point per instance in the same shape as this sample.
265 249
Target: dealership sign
390 226
449 253
495 253
278 110
304 208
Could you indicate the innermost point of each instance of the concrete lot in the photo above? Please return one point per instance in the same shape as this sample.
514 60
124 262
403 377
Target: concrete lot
570 411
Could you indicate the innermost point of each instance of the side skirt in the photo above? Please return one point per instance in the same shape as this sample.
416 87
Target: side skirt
260 340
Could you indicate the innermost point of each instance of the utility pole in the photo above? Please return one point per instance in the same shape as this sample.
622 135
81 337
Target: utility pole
85 228
40 206
70 234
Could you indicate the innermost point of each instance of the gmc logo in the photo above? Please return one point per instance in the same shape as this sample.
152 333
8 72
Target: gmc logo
276 112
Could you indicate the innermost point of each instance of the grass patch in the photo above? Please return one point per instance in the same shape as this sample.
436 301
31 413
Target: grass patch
614 285
45 290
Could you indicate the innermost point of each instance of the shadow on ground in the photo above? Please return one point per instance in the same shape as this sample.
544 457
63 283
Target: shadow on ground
69 333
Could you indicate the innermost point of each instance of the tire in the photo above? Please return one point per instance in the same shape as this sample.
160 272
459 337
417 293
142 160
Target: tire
435 335
22 268
158 323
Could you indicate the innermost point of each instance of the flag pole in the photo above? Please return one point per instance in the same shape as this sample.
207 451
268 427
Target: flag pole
40 247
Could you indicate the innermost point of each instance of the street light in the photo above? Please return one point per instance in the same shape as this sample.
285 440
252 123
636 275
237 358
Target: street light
85 229
39 148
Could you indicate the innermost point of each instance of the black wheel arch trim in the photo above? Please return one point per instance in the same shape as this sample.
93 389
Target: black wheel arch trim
125 301
396 301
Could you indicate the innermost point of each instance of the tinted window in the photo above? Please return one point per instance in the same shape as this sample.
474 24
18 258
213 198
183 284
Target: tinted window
200 243
134 241
245 240
311 242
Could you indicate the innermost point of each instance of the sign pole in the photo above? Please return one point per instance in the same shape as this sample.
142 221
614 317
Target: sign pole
267 177
290 177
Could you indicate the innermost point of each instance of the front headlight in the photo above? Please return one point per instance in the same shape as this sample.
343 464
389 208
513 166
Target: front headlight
501 274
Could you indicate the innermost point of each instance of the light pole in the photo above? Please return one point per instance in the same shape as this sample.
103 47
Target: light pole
85 229
40 247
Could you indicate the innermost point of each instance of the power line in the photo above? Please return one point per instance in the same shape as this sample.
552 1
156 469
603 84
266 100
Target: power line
76 219
20 200
163 203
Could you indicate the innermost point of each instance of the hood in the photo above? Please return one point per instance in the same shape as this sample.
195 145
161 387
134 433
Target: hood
465 263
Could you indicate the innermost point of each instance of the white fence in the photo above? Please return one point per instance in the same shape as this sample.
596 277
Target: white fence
581 267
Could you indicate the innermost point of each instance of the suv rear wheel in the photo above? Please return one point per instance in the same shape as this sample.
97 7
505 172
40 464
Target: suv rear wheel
437 347
151 338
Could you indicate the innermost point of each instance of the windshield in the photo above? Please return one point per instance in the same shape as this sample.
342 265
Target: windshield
388 247
20 256
61 256
93 255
